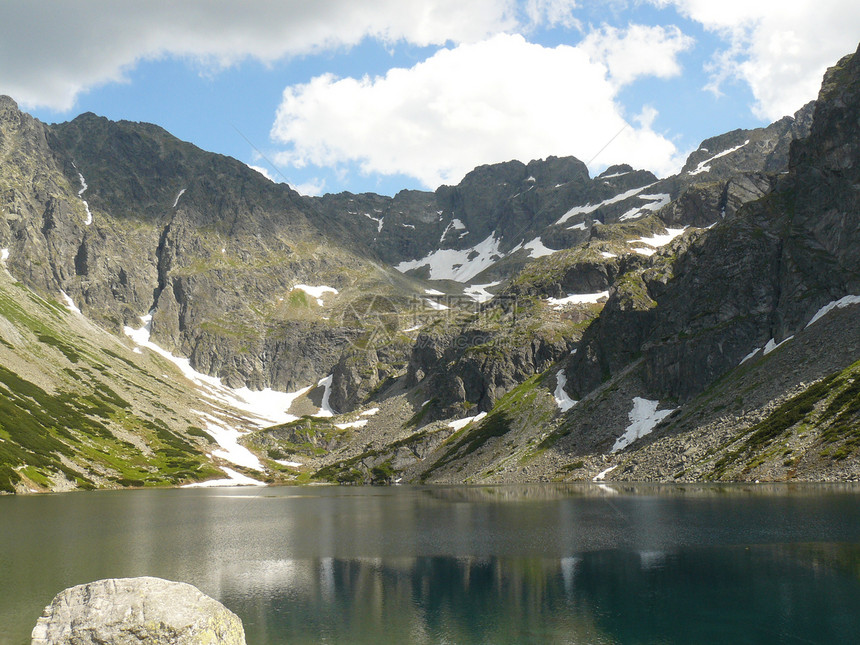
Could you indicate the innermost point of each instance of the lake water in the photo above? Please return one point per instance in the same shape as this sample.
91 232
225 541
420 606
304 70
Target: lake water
509 564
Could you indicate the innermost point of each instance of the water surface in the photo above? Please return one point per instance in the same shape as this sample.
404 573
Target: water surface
510 564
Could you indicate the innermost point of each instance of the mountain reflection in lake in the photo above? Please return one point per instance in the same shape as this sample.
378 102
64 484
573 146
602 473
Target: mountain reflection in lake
737 595
540 564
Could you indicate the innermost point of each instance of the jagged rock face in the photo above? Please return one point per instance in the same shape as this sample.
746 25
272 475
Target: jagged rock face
758 275
703 204
129 611
820 258
476 368
354 378
41 217
362 369
759 150
510 202
206 244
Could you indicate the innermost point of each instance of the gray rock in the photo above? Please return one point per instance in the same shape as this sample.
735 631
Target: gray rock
130 611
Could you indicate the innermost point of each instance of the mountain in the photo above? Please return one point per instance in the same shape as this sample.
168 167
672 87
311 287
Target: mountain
531 322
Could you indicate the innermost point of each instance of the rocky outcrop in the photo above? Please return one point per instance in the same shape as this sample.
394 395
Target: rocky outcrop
130 611
704 304
469 371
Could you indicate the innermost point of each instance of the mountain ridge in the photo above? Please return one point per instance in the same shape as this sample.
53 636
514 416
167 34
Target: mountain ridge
484 319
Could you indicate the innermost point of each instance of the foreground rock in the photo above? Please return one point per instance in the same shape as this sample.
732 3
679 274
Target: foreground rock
130 611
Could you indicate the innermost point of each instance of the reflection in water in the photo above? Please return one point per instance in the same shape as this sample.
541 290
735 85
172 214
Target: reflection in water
422 600
518 564
759 594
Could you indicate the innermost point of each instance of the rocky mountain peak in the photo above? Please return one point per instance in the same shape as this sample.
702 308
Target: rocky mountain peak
7 104
556 170
830 146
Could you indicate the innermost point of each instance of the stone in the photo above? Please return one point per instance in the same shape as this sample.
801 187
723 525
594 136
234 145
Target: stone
126 611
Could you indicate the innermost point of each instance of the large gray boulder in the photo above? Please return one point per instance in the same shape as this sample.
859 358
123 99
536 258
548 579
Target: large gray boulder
131 611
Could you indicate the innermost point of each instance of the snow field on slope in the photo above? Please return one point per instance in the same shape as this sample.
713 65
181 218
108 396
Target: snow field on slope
460 266
705 166
262 408
643 418
316 292
562 398
577 299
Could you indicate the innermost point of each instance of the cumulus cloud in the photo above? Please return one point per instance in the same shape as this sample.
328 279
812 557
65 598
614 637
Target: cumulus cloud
85 44
781 49
500 99
639 50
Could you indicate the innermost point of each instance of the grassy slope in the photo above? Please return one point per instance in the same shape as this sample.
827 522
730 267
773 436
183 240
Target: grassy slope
78 408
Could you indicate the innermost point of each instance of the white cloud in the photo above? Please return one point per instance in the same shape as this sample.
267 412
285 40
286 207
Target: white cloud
640 50
79 45
781 49
496 100
313 188
262 171
552 13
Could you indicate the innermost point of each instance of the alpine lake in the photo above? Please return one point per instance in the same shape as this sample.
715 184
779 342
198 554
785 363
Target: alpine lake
585 563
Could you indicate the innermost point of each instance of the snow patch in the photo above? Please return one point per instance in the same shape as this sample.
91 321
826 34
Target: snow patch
615 174
659 200
578 227
351 424
70 304
705 166
750 355
537 249
379 221
316 292
826 309
4 255
772 345
642 251
460 266
227 439
234 479
264 407
577 299
562 398
590 208
643 418
325 407
479 293
81 195
288 464
459 424
606 254
433 292
176 201
599 477
657 240
438 306
370 412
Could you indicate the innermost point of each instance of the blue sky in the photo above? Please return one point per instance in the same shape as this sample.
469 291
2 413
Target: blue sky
386 95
